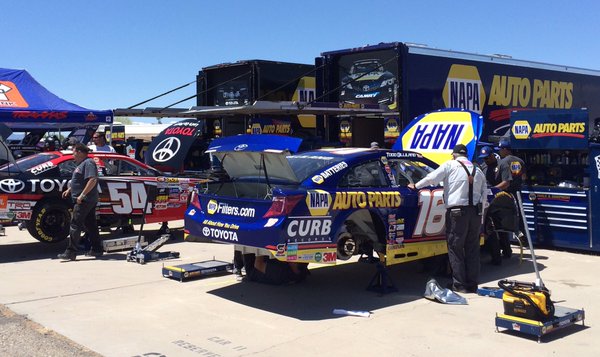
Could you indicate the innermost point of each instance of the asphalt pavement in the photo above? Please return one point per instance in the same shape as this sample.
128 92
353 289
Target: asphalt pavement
113 307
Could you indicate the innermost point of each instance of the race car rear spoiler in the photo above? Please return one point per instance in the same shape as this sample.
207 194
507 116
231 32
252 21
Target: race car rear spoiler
254 143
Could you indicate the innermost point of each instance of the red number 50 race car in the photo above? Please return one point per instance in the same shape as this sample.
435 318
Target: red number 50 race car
32 187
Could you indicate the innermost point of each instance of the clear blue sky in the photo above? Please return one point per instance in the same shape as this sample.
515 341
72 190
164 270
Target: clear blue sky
106 54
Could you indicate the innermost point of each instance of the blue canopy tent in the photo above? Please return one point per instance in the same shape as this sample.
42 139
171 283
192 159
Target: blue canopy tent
25 104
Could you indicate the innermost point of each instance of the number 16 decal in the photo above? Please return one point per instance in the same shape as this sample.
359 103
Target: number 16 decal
432 214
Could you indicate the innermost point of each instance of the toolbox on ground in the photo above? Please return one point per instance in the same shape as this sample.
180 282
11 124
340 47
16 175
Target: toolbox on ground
494 292
196 270
563 317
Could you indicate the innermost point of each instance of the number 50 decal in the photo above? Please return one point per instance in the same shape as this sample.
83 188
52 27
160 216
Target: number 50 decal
129 198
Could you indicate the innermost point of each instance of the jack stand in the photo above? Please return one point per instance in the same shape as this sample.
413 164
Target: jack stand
164 229
382 282
142 256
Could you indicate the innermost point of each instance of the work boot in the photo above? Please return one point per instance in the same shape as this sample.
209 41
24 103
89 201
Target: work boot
94 253
67 255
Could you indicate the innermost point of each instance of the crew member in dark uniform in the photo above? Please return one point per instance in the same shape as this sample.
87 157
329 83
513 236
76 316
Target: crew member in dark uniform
489 166
464 195
511 171
83 191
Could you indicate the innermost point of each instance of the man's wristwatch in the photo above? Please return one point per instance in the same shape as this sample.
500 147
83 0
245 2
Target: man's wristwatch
82 196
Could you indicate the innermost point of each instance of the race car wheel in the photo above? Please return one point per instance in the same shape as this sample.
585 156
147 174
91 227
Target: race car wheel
50 221
346 246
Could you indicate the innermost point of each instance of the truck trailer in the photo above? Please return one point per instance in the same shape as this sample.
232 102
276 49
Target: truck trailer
415 79
243 83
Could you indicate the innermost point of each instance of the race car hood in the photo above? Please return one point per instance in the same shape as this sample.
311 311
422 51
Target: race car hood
168 150
248 155
435 134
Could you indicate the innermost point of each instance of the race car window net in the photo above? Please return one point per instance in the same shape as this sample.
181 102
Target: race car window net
27 163
412 170
367 174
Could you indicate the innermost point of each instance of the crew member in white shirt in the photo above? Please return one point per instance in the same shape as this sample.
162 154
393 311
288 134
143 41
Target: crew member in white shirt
100 143
464 196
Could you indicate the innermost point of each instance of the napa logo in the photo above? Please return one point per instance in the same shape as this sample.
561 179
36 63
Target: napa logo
256 129
306 93
464 89
212 207
515 168
434 135
392 131
318 202
521 129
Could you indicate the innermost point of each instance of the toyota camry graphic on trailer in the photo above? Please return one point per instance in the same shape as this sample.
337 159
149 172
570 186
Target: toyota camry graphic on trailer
318 206
368 83
32 187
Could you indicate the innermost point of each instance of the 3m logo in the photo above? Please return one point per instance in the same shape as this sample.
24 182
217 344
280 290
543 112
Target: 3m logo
464 89
10 96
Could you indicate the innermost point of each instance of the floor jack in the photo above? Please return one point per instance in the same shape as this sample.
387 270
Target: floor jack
149 253
527 306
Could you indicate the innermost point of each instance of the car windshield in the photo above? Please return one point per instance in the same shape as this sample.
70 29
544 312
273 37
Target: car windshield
27 162
365 67
307 164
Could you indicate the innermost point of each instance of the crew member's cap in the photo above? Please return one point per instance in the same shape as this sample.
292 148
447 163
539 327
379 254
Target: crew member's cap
485 152
504 143
460 149
374 145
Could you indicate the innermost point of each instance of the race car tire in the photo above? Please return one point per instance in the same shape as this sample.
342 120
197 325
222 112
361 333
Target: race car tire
346 246
50 221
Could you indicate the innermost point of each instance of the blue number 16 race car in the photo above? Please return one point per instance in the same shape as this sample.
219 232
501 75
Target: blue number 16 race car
318 206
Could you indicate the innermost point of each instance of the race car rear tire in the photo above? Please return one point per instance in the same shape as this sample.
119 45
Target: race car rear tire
50 221
346 246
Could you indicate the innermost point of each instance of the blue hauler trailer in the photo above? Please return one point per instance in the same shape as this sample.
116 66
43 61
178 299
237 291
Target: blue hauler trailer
561 197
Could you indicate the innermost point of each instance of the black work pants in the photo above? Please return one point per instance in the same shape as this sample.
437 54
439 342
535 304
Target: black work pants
84 219
463 225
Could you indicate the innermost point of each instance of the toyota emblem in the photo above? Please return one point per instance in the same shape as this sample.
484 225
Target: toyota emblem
240 147
166 149
12 185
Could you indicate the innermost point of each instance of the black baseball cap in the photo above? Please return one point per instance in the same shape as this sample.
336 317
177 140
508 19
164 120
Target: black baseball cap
460 149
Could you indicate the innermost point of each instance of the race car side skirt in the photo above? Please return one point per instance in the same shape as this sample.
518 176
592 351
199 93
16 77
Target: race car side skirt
403 253
398 253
